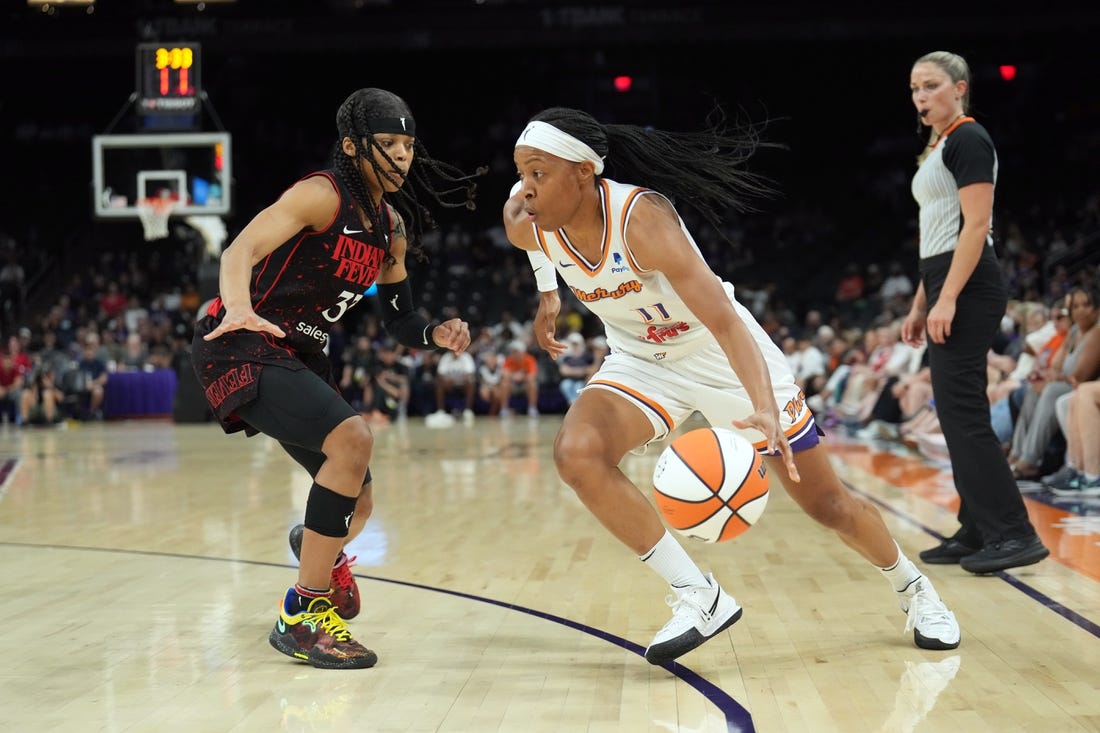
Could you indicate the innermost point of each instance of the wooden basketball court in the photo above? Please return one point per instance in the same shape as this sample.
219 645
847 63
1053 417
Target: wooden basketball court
144 561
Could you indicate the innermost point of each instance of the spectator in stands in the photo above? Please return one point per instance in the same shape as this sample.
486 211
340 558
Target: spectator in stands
12 379
135 354
519 375
570 319
453 373
890 358
843 357
1077 360
490 374
811 365
1033 326
49 354
355 380
135 315
391 384
896 289
42 398
849 294
91 385
112 302
788 344
574 367
1040 342
1080 476
600 350
906 392
508 329
16 368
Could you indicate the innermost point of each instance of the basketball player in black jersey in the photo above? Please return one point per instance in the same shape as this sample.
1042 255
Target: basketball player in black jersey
294 270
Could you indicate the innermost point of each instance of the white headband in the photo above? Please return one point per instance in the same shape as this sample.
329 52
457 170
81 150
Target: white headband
549 138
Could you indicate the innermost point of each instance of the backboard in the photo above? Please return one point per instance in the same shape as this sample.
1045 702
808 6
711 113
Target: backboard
195 167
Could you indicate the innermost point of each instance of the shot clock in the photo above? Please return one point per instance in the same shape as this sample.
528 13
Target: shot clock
168 78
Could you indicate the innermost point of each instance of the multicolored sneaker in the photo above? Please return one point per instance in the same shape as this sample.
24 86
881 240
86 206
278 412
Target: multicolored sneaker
345 591
319 636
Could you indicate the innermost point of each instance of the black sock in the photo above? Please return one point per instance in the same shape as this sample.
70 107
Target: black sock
299 598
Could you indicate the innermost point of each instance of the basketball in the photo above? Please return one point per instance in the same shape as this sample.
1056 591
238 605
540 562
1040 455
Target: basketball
710 484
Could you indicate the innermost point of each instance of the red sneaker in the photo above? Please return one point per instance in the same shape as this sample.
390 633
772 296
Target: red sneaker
345 591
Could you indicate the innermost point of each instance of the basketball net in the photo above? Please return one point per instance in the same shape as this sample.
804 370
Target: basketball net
154 213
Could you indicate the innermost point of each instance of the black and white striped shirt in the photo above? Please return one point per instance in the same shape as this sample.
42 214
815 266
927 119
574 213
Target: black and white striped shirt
964 157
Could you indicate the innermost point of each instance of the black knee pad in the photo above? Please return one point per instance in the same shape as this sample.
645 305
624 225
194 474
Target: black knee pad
329 513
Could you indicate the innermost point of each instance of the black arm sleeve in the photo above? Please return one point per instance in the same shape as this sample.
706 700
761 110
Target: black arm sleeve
401 320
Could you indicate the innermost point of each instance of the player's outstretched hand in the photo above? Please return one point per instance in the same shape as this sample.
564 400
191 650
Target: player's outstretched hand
767 423
237 319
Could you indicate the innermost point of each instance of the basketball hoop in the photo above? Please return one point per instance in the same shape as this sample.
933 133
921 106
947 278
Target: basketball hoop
154 213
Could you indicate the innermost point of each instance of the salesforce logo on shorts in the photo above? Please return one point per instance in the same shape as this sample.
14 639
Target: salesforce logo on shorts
313 331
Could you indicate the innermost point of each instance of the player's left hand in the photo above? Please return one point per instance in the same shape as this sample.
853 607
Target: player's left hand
767 423
453 334
545 324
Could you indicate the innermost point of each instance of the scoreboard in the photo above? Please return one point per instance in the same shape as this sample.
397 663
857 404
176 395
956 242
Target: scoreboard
169 78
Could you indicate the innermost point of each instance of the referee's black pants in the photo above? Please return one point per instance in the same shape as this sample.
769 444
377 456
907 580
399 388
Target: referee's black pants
991 508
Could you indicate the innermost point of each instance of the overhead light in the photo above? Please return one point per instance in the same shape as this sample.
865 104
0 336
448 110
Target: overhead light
42 4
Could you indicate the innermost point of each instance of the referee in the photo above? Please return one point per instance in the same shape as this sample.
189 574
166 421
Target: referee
959 304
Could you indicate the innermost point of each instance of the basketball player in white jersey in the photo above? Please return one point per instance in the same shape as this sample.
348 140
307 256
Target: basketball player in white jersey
679 343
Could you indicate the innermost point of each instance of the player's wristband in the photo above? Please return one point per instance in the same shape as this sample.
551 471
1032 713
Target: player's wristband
546 277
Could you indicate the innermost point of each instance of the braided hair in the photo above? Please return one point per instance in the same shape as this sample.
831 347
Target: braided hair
703 170
356 119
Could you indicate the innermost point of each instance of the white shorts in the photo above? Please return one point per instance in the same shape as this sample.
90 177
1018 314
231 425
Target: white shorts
669 392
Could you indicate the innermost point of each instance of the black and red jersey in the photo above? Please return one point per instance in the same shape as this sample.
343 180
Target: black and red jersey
303 286
313 279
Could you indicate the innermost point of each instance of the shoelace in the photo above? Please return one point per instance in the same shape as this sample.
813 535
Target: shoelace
334 626
342 573
922 605
676 602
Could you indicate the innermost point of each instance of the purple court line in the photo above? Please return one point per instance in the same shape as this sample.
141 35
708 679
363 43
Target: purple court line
738 719
7 470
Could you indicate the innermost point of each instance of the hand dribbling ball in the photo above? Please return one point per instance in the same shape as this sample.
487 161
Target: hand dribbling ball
710 484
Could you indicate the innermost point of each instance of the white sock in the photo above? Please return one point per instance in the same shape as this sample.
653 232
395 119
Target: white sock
902 573
669 560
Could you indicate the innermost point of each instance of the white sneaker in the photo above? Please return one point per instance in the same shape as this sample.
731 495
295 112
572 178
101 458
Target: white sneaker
698 613
439 419
932 624
467 417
